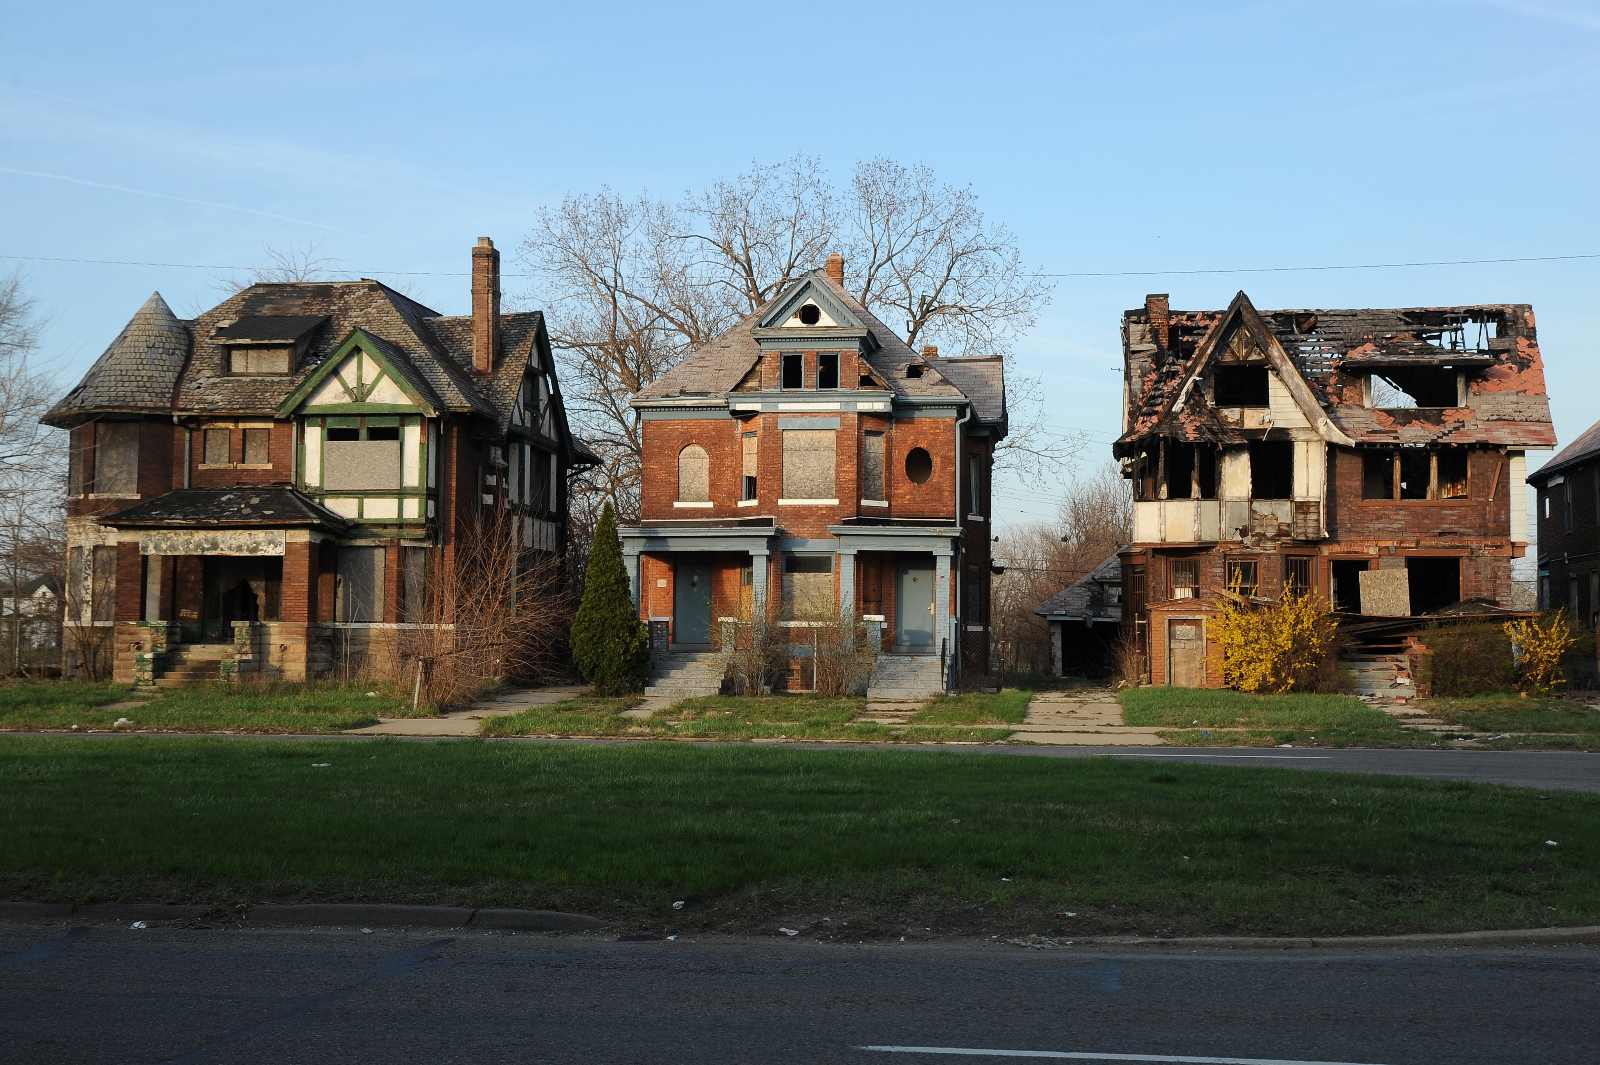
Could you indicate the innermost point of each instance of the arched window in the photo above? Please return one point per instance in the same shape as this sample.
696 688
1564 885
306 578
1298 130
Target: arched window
694 475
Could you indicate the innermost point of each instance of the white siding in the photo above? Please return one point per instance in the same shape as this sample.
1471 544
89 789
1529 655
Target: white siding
1286 412
410 455
313 470
1519 497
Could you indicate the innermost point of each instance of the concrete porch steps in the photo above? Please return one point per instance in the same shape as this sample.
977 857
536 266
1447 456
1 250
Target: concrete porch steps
905 679
1384 675
192 663
684 675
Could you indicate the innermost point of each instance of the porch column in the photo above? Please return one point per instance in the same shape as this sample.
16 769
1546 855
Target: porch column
847 582
152 588
941 597
630 560
758 575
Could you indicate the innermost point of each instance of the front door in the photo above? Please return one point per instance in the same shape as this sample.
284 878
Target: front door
691 602
1185 646
913 627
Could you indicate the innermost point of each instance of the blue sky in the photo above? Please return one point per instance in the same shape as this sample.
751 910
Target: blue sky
1125 137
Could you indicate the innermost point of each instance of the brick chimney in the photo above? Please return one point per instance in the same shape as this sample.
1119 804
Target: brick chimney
930 351
485 305
1158 309
835 268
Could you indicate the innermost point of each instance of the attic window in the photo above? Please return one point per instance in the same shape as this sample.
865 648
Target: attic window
810 314
1241 386
256 361
914 371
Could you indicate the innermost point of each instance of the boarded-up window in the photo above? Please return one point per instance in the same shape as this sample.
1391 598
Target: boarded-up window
872 467
808 586
116 458
102 593
218 450
255 360
809 470
694 475
255 446
360 584
360 465
415 576
751 456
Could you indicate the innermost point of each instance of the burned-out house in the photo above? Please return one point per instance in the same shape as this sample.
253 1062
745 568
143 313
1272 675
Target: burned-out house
273 485
809 462
1376 456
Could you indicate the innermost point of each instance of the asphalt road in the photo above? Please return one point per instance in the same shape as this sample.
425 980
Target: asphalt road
222 996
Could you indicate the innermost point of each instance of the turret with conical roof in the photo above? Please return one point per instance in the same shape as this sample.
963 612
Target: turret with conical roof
137 373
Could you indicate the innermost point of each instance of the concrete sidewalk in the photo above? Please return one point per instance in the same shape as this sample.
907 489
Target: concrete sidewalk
1081 717
466 722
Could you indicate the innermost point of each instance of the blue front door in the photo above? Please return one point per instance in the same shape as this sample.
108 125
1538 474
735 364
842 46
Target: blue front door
913 628
691 602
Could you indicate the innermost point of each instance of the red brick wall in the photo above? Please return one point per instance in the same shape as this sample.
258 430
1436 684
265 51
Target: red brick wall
1478 517
280 453
130 582
299 587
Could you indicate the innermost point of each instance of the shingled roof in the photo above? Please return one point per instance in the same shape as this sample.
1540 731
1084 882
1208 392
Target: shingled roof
982 379
1078 600
137 373
1586 446
717 368
228 508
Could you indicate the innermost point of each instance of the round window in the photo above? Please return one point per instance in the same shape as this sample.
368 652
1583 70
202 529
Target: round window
919 465
810 314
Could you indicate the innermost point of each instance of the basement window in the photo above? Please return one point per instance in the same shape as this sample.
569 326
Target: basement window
1240 386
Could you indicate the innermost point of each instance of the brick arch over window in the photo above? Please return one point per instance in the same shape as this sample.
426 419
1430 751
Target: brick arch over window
694 475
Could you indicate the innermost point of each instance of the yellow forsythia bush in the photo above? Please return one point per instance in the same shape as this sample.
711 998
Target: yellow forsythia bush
1539 648
1281 647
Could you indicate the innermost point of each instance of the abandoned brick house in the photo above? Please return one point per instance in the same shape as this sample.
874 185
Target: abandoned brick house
1567 510
809 460
293 465
1376 456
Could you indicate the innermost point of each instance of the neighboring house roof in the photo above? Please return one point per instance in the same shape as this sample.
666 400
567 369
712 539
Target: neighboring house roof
1585 447
1506 401
137 373
1080 600
227 507
982 378
717 367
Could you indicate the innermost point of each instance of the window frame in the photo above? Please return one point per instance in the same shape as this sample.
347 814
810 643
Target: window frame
1230 565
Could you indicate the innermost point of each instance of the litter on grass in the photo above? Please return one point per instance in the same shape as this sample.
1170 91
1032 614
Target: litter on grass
320 765
372 695
119 722
671 938
366 931
138 924
1551 843
790 931
678 905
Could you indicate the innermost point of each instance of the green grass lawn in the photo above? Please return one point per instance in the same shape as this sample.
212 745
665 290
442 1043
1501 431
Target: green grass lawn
1005 707
885 840
315 706
1532 721
768 717
1265 720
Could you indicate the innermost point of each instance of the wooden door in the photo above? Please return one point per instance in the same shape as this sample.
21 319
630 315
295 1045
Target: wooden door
1185 652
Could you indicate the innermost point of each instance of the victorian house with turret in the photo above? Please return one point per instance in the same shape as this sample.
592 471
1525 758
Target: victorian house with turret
274 483
807 462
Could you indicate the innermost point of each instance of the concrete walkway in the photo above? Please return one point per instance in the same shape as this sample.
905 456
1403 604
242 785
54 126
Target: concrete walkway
1086 717
465 722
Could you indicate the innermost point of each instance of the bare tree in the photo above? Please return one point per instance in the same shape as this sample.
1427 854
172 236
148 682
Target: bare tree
634 285
295 264
31 465
1041 559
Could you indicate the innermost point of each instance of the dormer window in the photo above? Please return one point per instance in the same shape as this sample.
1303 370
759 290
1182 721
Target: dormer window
266 345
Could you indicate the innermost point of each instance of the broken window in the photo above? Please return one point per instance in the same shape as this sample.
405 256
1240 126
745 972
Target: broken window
256 443
751 465
1297 574
1452 473
1414 473
872 452
1191 470
1241 576
1406 389
828 369
1271 469
808 464
1240 386
794 370
116 458
1377 475
1186 578
694 475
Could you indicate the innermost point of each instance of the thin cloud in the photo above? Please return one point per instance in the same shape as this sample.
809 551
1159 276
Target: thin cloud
1565 16
175 199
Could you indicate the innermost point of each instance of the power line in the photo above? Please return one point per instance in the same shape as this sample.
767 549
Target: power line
1074 273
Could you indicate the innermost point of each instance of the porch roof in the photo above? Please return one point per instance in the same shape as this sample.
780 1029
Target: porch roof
752 535
276 507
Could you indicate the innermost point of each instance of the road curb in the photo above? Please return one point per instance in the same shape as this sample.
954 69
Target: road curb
1583 934
314 914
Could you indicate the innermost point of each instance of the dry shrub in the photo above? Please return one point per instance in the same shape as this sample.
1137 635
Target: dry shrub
1470 659
844 656
1290 645
498 614
1539 644
753 651
1127 661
